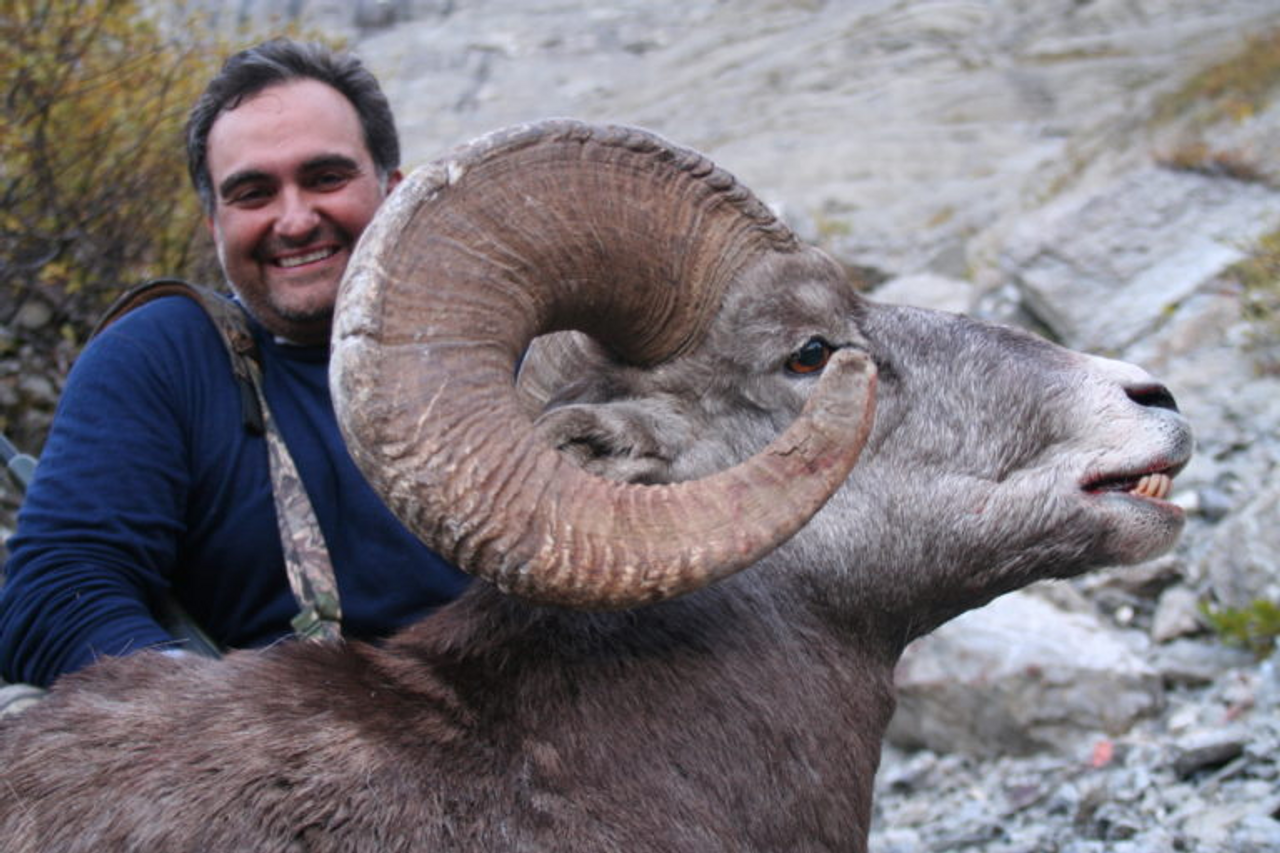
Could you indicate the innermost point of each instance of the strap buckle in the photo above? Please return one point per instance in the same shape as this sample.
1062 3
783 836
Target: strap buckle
319 620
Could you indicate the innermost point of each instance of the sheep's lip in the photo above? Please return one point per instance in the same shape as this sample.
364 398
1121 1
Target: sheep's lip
1153 483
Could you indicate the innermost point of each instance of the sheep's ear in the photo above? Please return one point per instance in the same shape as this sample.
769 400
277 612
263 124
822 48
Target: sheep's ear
620 441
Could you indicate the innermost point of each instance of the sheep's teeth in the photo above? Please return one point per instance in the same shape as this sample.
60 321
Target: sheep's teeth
1154 486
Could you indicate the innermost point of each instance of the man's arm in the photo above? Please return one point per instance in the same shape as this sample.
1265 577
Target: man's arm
99 529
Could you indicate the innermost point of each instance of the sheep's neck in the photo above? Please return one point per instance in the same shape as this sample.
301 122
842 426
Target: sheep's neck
717 706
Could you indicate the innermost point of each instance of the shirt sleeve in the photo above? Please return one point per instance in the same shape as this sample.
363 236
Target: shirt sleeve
99 528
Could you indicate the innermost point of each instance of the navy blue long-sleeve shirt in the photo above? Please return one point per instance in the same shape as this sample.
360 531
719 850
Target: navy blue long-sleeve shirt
149 481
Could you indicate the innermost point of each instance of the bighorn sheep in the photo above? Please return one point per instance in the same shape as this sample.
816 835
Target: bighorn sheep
695 646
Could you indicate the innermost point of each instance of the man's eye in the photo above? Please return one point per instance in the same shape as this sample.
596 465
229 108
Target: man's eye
811 357
328 180
248 196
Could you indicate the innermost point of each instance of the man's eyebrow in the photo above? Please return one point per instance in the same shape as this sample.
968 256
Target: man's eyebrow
239 179
329 161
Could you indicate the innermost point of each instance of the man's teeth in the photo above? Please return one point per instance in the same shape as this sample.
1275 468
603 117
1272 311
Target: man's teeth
1153 486
309 257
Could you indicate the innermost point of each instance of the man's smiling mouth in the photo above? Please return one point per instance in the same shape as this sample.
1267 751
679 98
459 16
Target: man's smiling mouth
306 258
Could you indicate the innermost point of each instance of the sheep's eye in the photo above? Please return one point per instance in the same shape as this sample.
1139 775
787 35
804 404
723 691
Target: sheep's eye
811 357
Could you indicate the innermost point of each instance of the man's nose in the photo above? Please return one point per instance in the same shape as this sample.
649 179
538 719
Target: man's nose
298 215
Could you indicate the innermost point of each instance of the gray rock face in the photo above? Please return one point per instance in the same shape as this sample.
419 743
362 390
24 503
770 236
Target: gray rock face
902 128
1102 269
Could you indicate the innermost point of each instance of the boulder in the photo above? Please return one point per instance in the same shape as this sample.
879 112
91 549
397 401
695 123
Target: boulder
928 290
1017 676
1241 560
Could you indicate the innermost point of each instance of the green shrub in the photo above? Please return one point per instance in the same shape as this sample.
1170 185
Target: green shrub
93 185
1254 627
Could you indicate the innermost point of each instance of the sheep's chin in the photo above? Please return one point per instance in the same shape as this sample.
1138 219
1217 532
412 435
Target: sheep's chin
1138 527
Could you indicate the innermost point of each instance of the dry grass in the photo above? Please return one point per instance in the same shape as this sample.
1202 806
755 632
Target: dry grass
1234 88
1200 157
1259 277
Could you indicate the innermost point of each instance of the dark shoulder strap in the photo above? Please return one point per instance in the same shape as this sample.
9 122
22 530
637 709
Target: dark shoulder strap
232 325
307 560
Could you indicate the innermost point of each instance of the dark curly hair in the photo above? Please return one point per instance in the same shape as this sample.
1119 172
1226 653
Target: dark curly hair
276 61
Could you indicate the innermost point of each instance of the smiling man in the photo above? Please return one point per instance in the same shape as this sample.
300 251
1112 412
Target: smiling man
150 484
295 185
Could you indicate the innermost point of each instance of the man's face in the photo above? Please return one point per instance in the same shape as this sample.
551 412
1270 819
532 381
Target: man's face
294 187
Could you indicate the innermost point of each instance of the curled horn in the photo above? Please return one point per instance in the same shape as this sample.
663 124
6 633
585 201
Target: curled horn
545 227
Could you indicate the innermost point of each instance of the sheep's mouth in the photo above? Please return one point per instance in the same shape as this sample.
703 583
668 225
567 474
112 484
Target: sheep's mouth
1154 485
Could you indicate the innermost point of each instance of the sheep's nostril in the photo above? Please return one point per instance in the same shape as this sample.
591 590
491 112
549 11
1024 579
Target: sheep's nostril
1154 395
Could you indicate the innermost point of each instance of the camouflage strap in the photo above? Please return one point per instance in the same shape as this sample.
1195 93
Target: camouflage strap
306 558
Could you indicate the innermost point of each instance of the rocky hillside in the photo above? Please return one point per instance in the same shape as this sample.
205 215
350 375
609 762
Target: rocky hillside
1106 172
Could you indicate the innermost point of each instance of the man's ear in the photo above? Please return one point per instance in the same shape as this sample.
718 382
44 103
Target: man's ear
619 441
393 179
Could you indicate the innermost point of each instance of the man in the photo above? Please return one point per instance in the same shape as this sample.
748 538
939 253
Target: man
149 481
